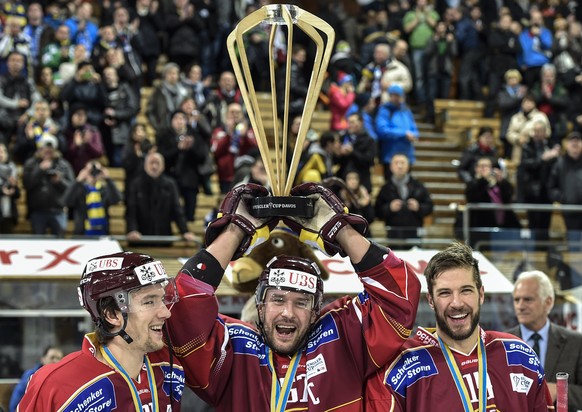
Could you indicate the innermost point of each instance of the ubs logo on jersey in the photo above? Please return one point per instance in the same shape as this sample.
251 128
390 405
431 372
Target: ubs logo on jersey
411 367
173 381
100 396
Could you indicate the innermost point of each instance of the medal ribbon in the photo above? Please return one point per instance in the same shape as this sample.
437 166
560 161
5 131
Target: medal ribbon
458 378
280 394
114 363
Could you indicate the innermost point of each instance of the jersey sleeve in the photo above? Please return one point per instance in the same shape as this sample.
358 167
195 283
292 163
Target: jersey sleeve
380 319
378 397
543 401
198 334
388 306
41 393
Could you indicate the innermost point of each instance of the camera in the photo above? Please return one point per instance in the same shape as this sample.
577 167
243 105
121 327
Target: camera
5 183
51 172
95 171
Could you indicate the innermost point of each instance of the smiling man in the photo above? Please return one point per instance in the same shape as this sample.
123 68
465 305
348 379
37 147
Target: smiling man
124 364
299 356
490 370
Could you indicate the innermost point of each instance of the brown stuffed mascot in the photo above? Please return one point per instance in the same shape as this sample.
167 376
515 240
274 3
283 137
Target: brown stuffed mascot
247 269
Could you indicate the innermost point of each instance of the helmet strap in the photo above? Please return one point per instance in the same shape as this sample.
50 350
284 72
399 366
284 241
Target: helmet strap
121 332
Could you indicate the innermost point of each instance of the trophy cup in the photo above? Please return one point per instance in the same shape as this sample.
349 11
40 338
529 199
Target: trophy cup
279 175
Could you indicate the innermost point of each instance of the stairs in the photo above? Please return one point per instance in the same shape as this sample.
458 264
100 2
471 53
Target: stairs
434 167
435 153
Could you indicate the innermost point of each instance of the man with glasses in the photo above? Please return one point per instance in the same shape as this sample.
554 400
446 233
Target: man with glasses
123 365
299 356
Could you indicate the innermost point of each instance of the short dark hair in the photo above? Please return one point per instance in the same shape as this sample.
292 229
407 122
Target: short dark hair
485 129
17 53
457 255
48 348
529 96
105 306
327 138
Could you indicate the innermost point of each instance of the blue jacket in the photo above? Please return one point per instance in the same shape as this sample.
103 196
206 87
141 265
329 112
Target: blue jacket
392 123
20 387
468 37
535 55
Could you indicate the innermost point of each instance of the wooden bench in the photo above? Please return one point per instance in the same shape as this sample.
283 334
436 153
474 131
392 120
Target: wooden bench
449 109
467 129
454 107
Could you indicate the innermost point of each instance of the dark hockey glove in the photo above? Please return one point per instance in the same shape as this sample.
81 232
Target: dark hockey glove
330 216
234 210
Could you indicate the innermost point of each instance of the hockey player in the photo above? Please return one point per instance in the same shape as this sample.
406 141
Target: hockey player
302 357
459 366
123 365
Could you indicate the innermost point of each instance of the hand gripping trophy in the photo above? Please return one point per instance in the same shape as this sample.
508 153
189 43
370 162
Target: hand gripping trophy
281 175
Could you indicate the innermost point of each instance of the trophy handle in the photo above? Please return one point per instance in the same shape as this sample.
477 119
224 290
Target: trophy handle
280 179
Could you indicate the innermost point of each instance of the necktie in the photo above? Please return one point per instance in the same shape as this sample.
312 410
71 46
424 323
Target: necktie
536 346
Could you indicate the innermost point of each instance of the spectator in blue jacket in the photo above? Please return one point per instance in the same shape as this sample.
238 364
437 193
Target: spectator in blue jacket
536 44
396 129
82 29
51 354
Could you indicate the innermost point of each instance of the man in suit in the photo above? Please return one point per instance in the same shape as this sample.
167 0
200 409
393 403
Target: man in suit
559 349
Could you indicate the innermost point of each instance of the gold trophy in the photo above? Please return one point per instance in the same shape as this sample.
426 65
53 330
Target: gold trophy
280 175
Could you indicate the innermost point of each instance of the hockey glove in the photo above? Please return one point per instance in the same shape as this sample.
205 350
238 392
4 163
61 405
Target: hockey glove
330 216
234 210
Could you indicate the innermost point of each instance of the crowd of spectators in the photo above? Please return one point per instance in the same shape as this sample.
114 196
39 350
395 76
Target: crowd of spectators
72 74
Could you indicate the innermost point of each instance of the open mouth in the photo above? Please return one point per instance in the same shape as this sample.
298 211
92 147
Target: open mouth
285 331
157 329
458 318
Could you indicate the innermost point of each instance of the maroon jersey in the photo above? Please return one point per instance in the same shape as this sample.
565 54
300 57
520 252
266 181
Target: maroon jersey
227 361
81 383
419 379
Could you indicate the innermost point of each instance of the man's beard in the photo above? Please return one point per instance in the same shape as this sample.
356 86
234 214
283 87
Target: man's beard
461 335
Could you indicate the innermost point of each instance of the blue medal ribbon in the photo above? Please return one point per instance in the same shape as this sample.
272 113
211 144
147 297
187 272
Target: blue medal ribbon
114 363
458 377
280 393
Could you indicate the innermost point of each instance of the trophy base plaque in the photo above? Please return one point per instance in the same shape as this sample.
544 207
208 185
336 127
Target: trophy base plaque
271 206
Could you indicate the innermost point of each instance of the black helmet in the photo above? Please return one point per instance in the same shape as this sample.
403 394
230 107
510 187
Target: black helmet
116 275
291 273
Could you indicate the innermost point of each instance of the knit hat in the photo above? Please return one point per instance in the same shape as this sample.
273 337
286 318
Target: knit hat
343 46
47 140
396 89
345 79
